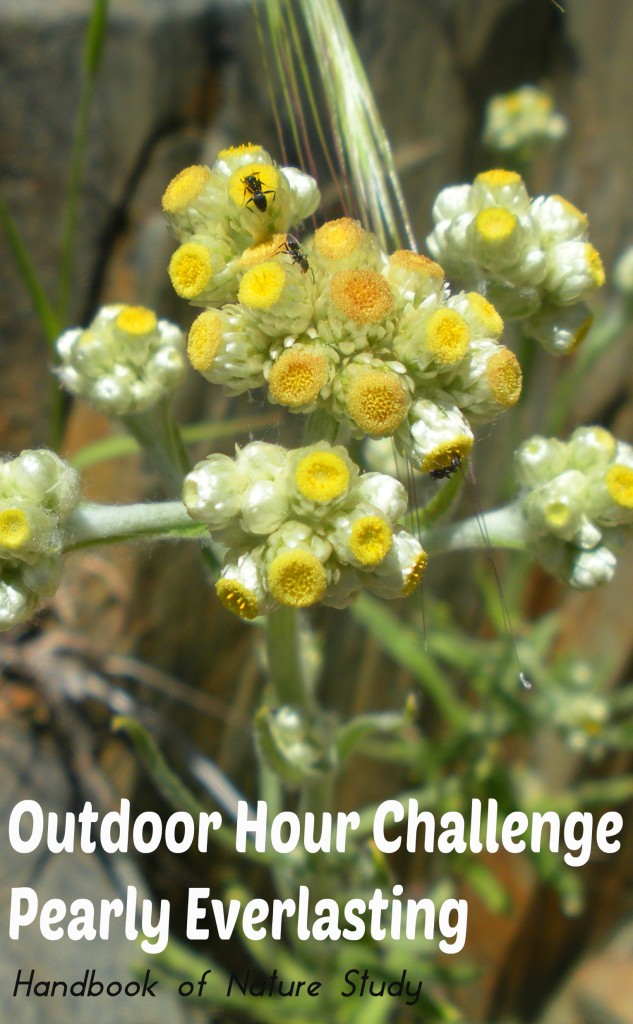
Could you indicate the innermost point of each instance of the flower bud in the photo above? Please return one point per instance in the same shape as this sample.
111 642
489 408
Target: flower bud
125 362
37 491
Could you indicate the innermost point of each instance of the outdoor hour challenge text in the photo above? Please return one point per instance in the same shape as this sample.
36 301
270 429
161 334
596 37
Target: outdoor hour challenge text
397 826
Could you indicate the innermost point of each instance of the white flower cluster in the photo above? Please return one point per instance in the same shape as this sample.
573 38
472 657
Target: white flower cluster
219 215
531 258
37 491
302 526
124 362
578 502
373 345
522 121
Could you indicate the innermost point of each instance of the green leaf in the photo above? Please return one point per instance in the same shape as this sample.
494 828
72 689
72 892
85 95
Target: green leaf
45 312
95 37
485 884
290 751
357 730
406 646
168 783
117 446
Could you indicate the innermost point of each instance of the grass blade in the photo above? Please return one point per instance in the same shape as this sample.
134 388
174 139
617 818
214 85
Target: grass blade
95 38
45 312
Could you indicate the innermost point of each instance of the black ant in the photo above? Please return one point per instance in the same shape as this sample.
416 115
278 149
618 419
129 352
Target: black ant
444 472
292 247
254 187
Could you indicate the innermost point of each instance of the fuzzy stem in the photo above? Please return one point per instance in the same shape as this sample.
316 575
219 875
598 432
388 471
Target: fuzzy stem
90 524
287 672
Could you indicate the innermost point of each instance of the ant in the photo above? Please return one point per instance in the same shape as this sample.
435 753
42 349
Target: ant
292 247
444 472
254 187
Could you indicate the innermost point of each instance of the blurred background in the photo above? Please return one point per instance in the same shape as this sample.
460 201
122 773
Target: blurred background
138 630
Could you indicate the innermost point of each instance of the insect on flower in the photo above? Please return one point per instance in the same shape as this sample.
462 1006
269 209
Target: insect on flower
292 247
444 472
254 188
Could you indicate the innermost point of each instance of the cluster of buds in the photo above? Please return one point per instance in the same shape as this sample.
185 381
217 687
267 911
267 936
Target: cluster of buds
578 501
37 491
531 258
370 344
302 526
221 214
126 361
522 122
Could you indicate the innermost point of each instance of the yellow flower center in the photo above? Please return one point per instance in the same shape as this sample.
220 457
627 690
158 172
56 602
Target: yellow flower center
190 270
444 455
297 377
377 402
370 540
237 598
619 481
255 254
14 529
416 263
136 320
503 373
230 151
557 514
261 286
264 176
415 574
322 476
338 239
486 314
495 224
447 336
296 579
596 268
361 295
498 178
205 336
185 188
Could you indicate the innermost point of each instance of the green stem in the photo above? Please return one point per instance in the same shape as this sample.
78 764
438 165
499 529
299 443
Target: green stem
158 434
602 335
503 528
91 524
285 665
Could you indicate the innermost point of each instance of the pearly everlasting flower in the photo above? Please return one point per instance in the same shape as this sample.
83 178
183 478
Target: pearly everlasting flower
437 435
343 244
335 327
531 258
578 499
522 121
303 526
230 217
124 362
228 350
37 491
